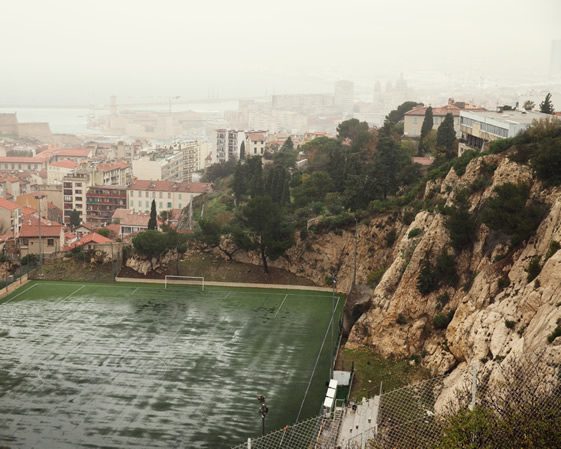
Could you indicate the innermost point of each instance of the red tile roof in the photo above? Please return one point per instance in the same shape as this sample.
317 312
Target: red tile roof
65 163
169 186
7 204
128 217
30 227
114 228
118 165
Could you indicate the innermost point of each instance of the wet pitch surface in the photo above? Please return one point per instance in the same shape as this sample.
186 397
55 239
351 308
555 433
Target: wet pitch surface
137 366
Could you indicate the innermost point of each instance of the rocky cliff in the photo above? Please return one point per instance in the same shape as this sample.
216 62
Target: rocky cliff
496 312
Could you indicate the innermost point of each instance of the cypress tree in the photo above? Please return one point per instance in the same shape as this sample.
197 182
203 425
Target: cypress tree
153 221
426 128
446 136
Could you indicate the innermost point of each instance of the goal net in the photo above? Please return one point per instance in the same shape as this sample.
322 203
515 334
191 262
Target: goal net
185 280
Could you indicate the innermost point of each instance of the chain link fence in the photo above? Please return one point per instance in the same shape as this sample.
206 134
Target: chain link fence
515 404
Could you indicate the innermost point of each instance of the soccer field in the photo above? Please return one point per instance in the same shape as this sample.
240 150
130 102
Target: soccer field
139 366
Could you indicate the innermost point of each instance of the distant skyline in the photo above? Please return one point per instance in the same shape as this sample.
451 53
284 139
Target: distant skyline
81 52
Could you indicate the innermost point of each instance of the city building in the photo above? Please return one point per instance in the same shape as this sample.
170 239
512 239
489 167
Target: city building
75 186
344 97
34 163
44 238
413 119
478 128
156 167
102 201
92 242
229 144
57 170
130 222
254 144
116 173
168 195
10 217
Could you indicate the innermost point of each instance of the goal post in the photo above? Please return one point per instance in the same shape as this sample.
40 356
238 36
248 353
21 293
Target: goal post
184 280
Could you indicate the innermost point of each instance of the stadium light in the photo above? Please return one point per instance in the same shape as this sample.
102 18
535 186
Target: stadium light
263 410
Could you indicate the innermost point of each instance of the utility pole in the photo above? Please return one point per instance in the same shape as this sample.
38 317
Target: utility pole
39 197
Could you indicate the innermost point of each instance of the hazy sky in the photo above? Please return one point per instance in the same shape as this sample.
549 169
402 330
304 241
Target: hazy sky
81 51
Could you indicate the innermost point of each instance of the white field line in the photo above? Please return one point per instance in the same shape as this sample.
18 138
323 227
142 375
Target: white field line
20 293
317 360
280 307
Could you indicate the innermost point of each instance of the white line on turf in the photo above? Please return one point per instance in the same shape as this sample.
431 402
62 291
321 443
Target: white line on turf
283 300
20 293
317 360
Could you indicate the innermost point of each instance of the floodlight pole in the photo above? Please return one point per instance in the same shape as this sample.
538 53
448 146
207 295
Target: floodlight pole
263 410
39 198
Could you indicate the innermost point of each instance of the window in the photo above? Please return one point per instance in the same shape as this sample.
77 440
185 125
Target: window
50 242
161 195
169 205
161 205
169 195
179 196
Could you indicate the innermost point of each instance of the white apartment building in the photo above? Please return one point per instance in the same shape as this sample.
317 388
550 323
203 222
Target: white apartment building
74 188
167 194
234 144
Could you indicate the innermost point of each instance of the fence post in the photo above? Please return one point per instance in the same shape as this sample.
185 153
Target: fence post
473 386
249 443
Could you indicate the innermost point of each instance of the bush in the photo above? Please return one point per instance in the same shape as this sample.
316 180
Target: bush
442 320
534 268
375 277
334 222
498 146
510 324
546 161
414 233
442 300
460 223
554 246
462 162
507 212
390 238
431 277
401 320
503 283
29 259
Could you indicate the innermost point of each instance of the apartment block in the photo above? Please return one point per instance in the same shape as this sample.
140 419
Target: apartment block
102 201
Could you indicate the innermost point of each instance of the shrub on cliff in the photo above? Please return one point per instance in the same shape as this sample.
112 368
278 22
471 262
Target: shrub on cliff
508 212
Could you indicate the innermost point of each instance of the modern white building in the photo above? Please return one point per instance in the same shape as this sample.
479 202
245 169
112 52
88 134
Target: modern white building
481 127
74 188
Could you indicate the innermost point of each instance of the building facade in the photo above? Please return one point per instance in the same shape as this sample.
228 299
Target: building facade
75 186
10 217
167 195
102 201
480 128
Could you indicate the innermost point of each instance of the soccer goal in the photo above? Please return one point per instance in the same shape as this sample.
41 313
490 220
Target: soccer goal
185 280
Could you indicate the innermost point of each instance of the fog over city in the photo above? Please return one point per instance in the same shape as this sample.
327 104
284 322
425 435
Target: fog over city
79 53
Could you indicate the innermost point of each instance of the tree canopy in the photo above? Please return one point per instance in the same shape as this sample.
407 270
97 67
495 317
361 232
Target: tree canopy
546 106
446 141
153 220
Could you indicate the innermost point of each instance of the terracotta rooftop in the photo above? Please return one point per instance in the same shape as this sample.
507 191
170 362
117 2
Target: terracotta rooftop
30 227
22 160
65 163
7 204
128 217
109 166
168 186
92 237
256 136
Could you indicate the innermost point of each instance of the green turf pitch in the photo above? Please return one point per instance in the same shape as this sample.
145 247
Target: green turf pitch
137 365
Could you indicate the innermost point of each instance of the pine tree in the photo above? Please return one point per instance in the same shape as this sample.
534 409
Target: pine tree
239 183
446 136
288 145
426 128
153 221
546 106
